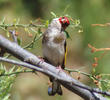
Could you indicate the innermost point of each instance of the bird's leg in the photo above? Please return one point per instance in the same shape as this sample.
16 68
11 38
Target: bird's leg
41 58
50 88
49 84
59 68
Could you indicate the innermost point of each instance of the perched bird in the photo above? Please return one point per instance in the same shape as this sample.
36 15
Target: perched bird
54 48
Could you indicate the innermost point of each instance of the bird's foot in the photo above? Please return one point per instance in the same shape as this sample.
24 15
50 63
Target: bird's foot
41 59
50 93
59 68
49 84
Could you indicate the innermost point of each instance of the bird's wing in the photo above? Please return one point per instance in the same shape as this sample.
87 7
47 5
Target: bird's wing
45 37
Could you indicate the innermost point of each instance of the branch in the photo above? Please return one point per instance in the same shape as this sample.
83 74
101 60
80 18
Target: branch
14 36
97 49
106 24
43 71
93 49
20 25
49 70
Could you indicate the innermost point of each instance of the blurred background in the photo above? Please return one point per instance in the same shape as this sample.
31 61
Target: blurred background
29 86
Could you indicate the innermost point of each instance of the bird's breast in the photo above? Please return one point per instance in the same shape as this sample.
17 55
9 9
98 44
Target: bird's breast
54 52
58 39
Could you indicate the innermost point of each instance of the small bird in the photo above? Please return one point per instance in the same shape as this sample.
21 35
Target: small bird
54 49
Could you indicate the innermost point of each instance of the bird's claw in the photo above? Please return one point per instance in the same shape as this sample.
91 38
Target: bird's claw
59 68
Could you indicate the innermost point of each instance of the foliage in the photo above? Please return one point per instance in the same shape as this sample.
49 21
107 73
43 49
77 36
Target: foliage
7 78
6 82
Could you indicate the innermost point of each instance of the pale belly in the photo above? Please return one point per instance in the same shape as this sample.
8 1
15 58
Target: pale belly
54 53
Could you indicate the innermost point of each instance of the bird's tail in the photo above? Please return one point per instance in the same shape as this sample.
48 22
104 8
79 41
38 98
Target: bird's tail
55 88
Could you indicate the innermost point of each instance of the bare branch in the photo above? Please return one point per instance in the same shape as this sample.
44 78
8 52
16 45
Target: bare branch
93 49
14 35
20 25
67 81
43 71
96 49
102 25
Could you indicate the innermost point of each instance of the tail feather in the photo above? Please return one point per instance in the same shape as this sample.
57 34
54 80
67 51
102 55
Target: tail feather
59 89
56 88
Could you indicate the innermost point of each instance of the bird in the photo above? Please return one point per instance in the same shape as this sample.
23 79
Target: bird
54 49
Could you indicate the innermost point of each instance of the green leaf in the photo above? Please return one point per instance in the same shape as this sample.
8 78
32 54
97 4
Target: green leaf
94 70
35 37
46 23
14 20
11 69
6 83
8 34
6 97
53 14
39 31
3 21
66 9
19 41
2 71
67 35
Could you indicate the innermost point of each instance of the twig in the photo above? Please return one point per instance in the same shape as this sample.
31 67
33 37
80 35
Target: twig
106 24
33 41
86 74
17 72
96 49
78 71
93 49
14 36
20 25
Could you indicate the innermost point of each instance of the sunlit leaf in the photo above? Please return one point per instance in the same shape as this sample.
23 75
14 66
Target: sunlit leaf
14 20
46 23
53 14
19 41
8 34
3 21
67 34
39 31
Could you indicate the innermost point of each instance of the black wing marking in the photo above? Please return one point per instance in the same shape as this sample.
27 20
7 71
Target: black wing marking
64 60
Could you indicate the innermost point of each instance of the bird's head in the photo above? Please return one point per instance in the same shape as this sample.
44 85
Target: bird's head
64 21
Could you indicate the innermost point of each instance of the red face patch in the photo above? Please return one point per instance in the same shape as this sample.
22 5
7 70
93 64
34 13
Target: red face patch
64 21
